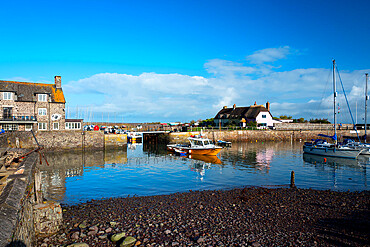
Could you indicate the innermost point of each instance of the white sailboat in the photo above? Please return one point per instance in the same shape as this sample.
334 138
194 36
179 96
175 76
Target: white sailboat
322 147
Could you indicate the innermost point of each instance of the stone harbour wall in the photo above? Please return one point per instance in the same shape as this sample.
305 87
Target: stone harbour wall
311 126
115 140
63 140
16 206
257 135
23 212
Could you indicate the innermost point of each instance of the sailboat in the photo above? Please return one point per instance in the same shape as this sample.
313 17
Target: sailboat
322 147
350 140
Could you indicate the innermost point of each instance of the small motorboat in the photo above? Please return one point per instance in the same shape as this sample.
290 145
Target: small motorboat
198 145
223 143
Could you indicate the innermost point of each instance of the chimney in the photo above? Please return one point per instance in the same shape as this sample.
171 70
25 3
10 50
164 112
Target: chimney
58 81
268 106
234 106
255 102
225 107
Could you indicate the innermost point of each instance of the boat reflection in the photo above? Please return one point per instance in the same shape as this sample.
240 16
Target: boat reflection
200 168
335 166
335 161
213 159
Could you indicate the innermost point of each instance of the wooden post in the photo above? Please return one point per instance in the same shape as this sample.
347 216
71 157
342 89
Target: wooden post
292 180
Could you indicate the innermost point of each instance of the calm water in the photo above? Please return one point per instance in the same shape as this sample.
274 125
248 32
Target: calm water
148 170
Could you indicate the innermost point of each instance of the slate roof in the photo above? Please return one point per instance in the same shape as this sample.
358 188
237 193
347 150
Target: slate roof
26 91
250 112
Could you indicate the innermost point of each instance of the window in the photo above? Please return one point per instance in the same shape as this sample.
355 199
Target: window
263 116
73 125
55 126
10 127
28 127
7 96
42 126
42 111
42 97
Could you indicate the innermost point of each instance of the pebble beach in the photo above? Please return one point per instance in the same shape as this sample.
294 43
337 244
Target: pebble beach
251 216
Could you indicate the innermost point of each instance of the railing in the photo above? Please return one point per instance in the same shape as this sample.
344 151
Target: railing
18 117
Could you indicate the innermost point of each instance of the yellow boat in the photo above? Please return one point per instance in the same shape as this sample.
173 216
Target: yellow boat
198 145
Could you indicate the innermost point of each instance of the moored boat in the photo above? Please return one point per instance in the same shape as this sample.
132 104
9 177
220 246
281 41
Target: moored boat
198 145
322 147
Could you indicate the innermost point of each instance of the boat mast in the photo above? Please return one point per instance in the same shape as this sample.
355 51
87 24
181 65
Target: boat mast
366 99
335 96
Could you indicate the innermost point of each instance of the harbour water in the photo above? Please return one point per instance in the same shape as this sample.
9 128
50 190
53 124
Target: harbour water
141 170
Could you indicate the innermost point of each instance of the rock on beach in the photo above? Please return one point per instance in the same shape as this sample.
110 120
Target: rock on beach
251 216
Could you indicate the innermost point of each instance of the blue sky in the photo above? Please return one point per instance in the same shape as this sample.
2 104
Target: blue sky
144 61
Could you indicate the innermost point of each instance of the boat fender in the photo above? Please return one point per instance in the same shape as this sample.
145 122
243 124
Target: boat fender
325 160
189 151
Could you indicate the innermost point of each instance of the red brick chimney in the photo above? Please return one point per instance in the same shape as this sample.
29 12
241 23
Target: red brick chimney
234 106
58 81
268 106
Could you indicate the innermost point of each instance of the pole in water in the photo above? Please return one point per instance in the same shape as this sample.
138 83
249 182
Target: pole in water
292 180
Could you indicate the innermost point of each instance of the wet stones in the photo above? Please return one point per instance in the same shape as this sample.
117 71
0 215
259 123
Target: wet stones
117 237
250 217
78 245
128 242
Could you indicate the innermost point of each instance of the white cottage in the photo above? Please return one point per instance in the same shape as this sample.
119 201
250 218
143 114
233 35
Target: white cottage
243 115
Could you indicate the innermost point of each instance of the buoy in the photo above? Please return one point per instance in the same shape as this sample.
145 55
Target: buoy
324 159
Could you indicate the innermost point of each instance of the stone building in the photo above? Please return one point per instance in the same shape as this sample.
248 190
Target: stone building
240 116
38 106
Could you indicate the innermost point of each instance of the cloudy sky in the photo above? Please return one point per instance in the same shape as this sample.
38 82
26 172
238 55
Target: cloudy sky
148 61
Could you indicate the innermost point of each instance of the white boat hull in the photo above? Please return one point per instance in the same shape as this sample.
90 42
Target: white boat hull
332 152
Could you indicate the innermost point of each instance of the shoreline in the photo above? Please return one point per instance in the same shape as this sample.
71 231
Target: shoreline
251 216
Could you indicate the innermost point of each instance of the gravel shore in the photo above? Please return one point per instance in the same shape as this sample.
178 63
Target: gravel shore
237 217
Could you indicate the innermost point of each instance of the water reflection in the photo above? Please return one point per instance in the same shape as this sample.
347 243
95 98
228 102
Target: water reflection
212 159
143 169
335 168
73 164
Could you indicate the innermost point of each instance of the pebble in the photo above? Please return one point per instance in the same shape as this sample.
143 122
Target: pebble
236 217
75 235
128 242
94 228
91 233
78 245
116 237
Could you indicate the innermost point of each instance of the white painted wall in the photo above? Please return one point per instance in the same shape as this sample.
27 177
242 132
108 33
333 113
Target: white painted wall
267 120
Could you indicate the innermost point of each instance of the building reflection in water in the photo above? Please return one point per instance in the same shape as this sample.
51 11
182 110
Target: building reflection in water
148 170
257 156
73 164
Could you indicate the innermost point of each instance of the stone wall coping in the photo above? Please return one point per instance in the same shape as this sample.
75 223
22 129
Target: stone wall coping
12 197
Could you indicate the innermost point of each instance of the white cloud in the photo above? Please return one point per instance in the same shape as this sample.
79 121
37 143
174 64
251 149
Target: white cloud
269 55
176 97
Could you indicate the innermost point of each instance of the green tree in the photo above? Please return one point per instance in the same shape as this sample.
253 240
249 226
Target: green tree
299 120
319 120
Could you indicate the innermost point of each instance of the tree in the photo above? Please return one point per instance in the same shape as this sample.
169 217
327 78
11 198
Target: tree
252 124
299 120
319 120
285 117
